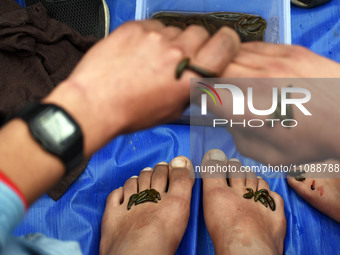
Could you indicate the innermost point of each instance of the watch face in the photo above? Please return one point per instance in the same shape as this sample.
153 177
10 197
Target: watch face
57 126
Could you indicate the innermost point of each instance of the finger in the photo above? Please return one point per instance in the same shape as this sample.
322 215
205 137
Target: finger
218 52
169 33
267 49
236 70
266 66
252 60
172 32
152 25
191 40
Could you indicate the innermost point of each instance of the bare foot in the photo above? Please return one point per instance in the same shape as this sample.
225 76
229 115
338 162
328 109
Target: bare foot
149 228
326 194
237 225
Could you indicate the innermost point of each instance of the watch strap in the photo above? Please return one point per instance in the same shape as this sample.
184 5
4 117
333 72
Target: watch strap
74 155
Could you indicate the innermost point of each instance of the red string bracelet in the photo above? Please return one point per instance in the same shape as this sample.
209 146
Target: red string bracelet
12 186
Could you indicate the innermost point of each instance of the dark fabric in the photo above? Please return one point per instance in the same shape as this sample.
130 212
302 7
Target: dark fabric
85 16
36 54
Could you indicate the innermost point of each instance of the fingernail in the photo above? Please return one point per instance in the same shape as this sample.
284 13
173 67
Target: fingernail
234 160
134 177
178 163
259 177
217 155
146 169
163 163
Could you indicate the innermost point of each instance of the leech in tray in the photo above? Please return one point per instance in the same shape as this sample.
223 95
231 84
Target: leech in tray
249 27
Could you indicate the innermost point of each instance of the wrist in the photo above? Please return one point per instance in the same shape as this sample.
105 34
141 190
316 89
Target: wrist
26 163
85 110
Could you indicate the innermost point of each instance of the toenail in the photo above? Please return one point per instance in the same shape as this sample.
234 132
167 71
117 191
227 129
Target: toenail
234 160
259 177
178 163
146 169
134 177
163 163
217 155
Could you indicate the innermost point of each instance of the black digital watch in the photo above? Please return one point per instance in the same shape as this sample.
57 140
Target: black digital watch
56 131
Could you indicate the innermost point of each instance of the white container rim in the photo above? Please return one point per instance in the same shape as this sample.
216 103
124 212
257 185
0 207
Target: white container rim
141 8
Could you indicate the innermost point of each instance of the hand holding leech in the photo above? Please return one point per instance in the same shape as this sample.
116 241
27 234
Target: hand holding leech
126 82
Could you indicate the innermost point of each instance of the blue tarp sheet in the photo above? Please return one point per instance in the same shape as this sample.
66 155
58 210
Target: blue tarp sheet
77 215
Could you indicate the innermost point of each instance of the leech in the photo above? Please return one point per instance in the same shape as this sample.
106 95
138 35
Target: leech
202 72
300 178
263 201
298 175
262 196
147 199
181 67
132 200
185 64
257 196
250 193
154 193
313 185
270 201
148 195
249 27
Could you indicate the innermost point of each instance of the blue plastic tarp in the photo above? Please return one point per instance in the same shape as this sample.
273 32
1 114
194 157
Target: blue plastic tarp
77 215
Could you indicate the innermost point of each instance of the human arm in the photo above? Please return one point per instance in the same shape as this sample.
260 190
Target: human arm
125 83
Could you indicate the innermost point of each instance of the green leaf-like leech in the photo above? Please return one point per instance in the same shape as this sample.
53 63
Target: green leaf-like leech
261 195
148 195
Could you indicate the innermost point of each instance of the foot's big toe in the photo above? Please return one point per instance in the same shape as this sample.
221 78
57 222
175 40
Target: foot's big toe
212 172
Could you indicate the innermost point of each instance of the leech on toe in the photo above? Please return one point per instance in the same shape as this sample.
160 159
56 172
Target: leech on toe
250 193
148 195
261 195
263 201
264 191
270 201
257 196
